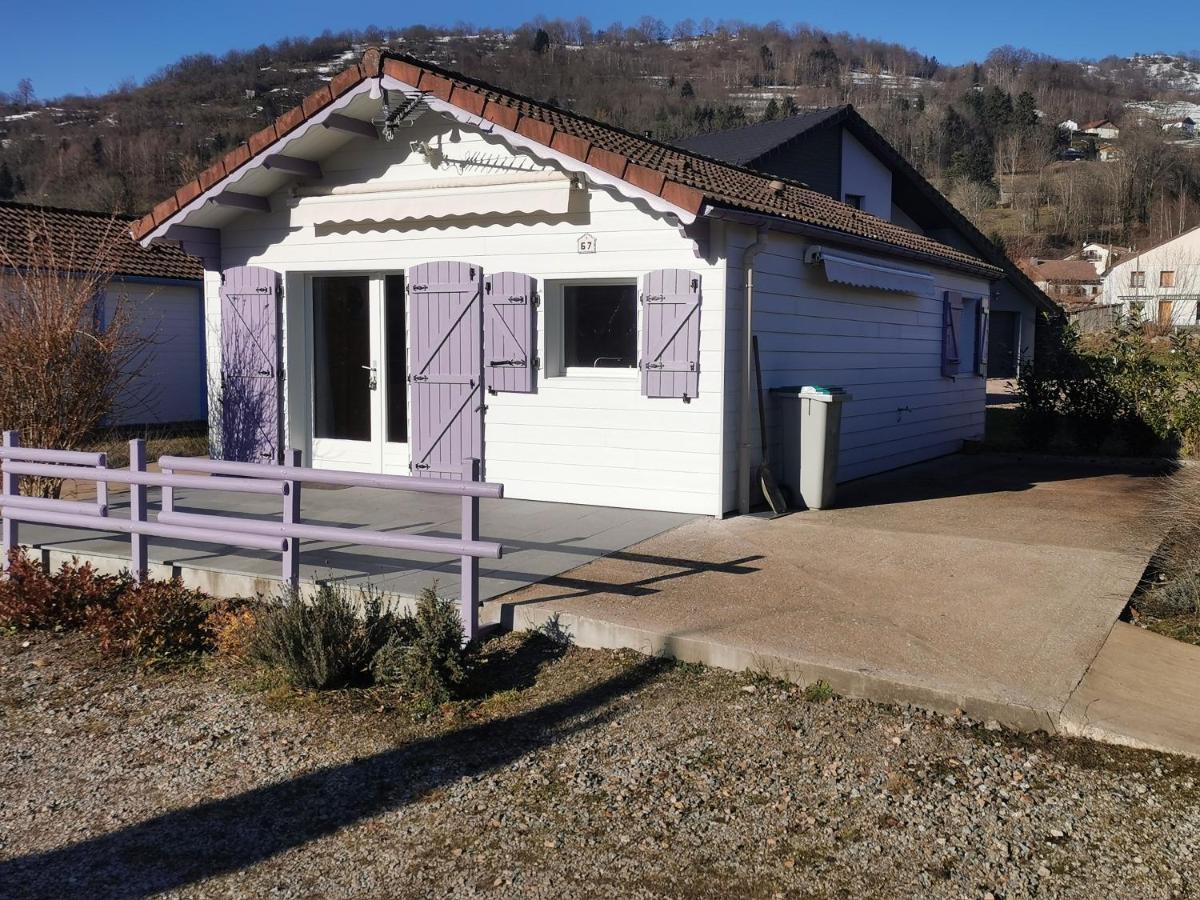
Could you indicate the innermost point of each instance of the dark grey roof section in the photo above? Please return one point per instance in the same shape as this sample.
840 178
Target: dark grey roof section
741 146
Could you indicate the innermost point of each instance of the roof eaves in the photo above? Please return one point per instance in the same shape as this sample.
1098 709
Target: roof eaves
244 152
792 226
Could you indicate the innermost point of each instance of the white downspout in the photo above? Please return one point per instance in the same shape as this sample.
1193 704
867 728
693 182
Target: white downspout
749 255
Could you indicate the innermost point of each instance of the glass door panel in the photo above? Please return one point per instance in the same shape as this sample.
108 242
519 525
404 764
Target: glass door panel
342 358
396 355
346 406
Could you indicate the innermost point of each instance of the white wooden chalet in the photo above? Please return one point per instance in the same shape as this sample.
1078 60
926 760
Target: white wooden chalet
414 268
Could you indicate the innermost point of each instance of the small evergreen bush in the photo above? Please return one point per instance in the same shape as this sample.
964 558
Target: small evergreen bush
426 657
324 642
341 638
1177 597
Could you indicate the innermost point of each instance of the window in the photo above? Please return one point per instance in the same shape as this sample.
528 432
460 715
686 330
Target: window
855 200
1137 279
599 326
1166 278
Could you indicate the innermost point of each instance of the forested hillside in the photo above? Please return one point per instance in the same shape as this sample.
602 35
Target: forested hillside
986 132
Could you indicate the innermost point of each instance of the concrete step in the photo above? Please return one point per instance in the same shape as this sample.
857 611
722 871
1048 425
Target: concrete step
1142 690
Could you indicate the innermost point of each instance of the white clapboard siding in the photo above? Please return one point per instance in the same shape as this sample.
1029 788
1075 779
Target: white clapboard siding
170 385
884 348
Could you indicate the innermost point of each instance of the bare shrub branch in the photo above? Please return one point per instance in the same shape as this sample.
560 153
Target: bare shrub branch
69 355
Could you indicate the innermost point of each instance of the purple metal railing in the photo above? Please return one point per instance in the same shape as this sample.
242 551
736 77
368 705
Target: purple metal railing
282 537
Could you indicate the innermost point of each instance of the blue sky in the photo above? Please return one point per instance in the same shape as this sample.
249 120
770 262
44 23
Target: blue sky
72 46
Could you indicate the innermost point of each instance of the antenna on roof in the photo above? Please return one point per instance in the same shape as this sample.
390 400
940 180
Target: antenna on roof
409 110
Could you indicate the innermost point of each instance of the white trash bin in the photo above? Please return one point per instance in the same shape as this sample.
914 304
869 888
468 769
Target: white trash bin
812 422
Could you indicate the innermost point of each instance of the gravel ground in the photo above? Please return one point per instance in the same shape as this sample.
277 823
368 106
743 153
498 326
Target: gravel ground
582 774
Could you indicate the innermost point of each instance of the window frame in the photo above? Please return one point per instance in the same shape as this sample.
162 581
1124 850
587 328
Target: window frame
1163 278
1137 278
855 200
554 326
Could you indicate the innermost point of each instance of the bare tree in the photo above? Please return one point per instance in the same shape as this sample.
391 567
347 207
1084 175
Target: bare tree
972 198
24 95
69 354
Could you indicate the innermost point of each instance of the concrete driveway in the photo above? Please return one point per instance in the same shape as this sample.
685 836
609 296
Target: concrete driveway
983 583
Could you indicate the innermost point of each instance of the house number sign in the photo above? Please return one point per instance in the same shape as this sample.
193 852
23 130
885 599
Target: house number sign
586 244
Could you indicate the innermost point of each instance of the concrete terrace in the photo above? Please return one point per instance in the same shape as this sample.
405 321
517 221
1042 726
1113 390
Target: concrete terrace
541 540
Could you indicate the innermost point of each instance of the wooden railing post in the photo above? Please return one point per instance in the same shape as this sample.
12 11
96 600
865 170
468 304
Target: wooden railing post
10 488
137 508
469 574
291 516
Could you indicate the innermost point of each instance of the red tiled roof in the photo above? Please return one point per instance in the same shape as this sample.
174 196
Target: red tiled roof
683 178
1063 271
82 235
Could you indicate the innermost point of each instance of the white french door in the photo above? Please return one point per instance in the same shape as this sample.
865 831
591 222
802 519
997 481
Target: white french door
358 372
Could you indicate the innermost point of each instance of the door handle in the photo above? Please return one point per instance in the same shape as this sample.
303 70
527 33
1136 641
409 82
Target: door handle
373 381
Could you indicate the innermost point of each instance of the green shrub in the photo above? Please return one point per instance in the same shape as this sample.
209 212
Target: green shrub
153 619
32 598
426 657
1091 403
1123 381
324 642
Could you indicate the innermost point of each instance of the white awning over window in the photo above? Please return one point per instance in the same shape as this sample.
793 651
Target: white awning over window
865 272
451 198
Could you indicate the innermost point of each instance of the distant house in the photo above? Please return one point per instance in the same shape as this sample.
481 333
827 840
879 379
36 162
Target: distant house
1105 129
1108 153
837 152
1069 281
1102 256
161 290
1160 284
1185 126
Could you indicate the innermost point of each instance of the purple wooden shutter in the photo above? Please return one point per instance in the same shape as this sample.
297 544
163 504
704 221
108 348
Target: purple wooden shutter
250 364
670 360
951 315
982 324
509 342
446 335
